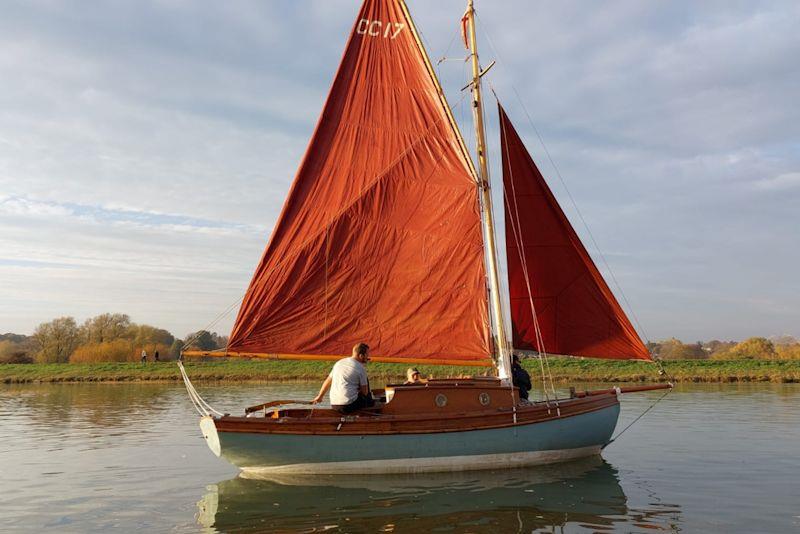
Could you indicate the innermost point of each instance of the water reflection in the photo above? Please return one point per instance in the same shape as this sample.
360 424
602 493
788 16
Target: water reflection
586 495
92 457
97 405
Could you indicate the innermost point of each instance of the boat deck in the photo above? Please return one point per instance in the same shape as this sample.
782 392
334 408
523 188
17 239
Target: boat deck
433 407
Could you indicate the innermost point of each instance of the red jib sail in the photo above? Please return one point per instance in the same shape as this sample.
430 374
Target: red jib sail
379 239
576 311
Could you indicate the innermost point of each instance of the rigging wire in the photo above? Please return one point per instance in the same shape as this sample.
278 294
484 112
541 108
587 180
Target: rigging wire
564 184
210 325
516 229
490 213
662 371
612 440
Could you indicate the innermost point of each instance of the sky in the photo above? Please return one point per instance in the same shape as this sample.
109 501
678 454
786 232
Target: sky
146 148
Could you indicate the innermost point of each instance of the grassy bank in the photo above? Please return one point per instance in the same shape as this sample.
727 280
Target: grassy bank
563 370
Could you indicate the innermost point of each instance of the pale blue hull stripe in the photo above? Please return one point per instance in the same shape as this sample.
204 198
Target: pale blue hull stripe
264 450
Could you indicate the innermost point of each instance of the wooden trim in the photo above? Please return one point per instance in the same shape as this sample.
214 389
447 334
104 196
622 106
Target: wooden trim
429 423
327 357
272 404
628 389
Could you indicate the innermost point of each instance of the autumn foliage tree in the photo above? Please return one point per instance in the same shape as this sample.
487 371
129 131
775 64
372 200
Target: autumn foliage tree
105 327
674 349
754 348
56 340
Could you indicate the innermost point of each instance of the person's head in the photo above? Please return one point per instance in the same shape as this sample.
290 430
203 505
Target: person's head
412 374
361 352
515 359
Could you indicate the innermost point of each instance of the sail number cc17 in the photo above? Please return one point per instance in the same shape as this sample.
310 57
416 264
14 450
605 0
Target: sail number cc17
377 28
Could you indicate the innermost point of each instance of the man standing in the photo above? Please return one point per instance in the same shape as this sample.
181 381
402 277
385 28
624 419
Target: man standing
144 356
348 382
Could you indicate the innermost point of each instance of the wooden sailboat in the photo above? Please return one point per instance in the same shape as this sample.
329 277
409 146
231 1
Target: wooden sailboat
387 237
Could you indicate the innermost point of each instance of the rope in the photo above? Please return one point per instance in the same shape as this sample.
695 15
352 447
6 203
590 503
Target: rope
210 325
638 417
197 407
202 407
516 229
193 396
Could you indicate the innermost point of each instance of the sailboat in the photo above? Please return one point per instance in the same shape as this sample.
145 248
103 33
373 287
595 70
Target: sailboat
387 237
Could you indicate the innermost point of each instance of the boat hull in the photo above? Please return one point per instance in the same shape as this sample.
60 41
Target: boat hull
533 443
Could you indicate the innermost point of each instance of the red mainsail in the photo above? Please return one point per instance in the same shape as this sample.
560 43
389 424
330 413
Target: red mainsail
379 239
576 311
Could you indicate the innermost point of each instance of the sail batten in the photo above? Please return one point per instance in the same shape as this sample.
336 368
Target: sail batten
560 302
379 239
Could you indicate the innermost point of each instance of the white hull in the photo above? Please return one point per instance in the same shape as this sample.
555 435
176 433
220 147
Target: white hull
427 465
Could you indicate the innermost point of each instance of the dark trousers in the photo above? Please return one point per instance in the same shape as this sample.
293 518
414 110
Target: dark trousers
358 404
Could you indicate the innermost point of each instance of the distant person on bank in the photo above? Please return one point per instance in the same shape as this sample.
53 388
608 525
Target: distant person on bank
144 356
348 382
520 378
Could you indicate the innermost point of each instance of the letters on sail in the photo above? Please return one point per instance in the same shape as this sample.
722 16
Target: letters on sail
379 239
576 311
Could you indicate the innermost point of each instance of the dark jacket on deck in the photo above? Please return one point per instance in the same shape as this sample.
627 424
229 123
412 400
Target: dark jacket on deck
521 379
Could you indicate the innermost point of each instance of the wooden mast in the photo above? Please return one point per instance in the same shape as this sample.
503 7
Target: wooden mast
503 356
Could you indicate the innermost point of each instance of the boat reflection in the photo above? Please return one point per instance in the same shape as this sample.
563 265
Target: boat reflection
585 494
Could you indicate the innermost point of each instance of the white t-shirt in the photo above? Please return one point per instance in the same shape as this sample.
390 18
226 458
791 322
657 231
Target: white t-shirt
347 376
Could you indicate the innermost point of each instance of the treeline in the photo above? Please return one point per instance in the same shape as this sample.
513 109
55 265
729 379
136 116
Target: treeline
754 348
109 337
113 337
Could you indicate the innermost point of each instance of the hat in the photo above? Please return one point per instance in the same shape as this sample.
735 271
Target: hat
411 372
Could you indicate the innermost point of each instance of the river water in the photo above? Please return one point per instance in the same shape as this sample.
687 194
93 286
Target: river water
92 457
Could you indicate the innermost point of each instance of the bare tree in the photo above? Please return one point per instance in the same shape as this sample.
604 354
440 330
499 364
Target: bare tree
106 327
56 340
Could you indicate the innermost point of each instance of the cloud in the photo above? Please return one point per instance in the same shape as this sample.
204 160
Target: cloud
31 208
146 148
789 180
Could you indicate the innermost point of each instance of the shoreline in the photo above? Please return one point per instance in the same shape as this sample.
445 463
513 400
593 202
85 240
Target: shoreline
563 370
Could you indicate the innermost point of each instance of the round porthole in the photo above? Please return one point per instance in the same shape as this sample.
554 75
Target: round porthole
484 399
441 400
